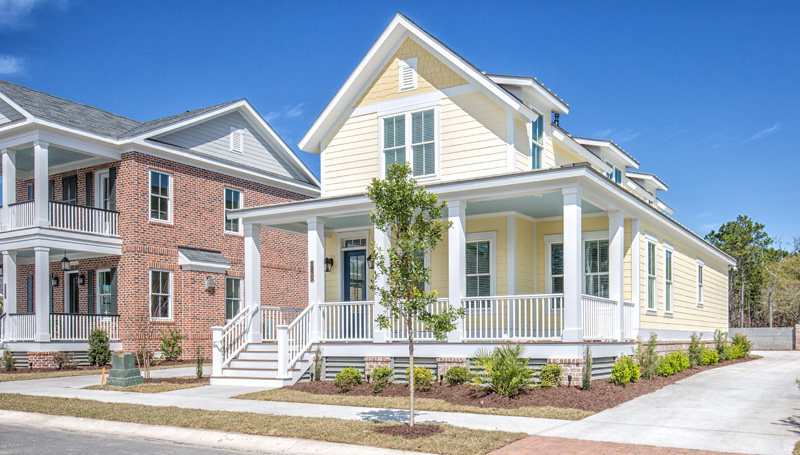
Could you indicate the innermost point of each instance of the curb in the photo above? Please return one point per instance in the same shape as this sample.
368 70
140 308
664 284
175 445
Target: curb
188 436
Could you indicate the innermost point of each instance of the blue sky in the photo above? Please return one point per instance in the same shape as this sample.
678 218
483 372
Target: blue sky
704 94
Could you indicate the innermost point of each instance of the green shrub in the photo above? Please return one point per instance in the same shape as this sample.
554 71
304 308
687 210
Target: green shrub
646 356
624 370
503 370
587 368
382 376
672 363
64 361
198 358
9 361
317 364
741 340
347 379
695 350
423 378
99 348
457 375
710 357
171 344
721 344
736 351
551 375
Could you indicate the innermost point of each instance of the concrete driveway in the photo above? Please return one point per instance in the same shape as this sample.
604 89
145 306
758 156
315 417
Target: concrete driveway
751 407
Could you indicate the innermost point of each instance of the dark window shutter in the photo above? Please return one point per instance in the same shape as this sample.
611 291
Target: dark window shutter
112 188
90 290
29 294
113 307
51 292
89 189
30 191
51 190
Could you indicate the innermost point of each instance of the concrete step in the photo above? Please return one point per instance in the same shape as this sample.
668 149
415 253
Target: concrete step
249 382
254 363
257 355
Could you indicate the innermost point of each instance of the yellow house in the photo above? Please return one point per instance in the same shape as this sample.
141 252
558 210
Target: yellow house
557 241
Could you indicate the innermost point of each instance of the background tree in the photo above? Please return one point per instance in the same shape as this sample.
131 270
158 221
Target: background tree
772 261
782 293
412 217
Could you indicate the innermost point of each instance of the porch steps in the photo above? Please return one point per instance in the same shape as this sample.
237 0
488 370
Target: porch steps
257 366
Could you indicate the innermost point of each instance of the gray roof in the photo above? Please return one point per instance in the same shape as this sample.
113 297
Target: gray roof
199 255
165 121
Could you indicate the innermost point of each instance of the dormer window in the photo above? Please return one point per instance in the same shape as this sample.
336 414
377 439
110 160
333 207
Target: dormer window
417 146
237 140
407 70
537 142
615 175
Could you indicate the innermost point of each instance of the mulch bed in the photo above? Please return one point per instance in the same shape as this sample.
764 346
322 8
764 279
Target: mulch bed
603 394
419 430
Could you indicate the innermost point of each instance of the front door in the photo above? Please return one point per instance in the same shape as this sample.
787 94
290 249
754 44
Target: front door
355 290
71 293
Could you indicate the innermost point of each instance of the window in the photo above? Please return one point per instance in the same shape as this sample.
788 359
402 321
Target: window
651 276
556 268
700 267
537 134
618 176
407 74
237 140
479 268
160 196
104 292
668 281
595 254
233 201
233 297
104 191
160 294
69 190
417 146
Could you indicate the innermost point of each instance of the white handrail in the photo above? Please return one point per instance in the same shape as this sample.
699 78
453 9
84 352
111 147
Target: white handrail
515 316
21 215
78 218
347 321
77 327
234 334
298 337
600 318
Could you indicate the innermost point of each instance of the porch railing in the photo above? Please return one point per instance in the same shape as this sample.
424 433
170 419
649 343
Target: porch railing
399 332
78 218
347 321
294 340
22 326
272 317
77 327
517 316
234 334
629 310
2 327
21 215
600 318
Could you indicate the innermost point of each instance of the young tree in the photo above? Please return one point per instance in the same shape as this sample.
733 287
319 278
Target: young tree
412 217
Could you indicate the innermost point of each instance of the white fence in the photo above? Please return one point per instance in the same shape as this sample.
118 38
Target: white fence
21 215
78 218
272 317
516 316
347 321
398 330
600 318
77 327
22 326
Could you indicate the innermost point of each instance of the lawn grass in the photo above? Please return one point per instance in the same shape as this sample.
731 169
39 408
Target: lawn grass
68 373
423 404
152 387
452 440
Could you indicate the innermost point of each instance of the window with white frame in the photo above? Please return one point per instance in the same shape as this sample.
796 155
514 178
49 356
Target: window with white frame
479 267
595 255
700 267
104 291
233 201
233 296
651 276
160 196
407 74
556 268
160 294
668 291
537 142
416 145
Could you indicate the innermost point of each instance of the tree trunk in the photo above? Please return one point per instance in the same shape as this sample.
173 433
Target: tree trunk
411 387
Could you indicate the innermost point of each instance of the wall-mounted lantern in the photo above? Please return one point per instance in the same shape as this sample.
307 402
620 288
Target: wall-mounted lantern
328 264
210 283
81 280
370 262
54 282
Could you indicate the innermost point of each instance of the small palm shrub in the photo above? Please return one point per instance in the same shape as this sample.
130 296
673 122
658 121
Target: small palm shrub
504 370
382 377
551 375
457 375
741 340
624 370
721 344
587 368
99 352
695 350
171 344
64 361
347 378
9 361
710 357
423 378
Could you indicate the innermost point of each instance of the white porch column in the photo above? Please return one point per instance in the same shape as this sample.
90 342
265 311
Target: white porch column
252 279
316 273
457 249
40 183
636 270
41 293
382 244
9 185
9 286
572 311
616 267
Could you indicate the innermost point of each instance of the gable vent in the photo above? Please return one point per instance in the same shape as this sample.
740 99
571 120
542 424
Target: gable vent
408 74
237 140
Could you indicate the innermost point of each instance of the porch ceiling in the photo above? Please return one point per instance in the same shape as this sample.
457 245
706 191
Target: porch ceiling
545 206
58 157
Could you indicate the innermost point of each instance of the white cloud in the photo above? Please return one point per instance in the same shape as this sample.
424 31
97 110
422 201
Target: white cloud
10 64
616 136
296 110
602 134
14 12
767 131
287 111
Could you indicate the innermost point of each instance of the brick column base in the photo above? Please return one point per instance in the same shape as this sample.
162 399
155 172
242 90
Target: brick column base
570 367
370 363
797 337
443 364
41 359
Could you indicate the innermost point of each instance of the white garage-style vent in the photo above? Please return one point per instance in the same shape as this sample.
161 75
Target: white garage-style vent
408 74
237 140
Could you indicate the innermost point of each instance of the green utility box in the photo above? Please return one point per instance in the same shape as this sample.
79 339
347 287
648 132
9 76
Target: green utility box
124 372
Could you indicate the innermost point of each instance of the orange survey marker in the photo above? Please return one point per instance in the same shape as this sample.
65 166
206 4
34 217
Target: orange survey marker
103 378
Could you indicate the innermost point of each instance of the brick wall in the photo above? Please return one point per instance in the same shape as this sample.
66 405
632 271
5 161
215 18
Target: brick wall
445 363
370 363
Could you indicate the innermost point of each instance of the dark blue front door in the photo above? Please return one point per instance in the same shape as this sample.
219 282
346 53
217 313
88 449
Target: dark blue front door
355 290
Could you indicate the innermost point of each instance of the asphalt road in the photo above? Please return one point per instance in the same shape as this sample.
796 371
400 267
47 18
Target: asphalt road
25 440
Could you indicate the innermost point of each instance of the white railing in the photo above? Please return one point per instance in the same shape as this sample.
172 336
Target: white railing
77 327
600 318
629 310
347 321
78 218
272 317
2 327
21 215
296 340
514 316
22 326
234 334
399 332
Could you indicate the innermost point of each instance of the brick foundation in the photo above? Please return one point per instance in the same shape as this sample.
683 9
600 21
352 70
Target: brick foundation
370 363
570 367
41 359
443 364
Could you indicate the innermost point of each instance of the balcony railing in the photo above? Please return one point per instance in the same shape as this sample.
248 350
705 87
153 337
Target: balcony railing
22 326
347 321
532 317
77 327
21 215
69 217
600 318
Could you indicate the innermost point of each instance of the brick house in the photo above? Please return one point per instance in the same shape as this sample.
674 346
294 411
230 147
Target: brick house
109 222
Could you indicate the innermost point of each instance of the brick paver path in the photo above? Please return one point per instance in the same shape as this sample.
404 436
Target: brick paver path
544 445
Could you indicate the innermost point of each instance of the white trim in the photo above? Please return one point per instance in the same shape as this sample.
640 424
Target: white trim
400 105
409 154
511 255
535 260
403 65
68 292
97 293
341 237
225 190
98 193
511 133
241 294
700 282
170 202
491 237
669 301
649 240
171 305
